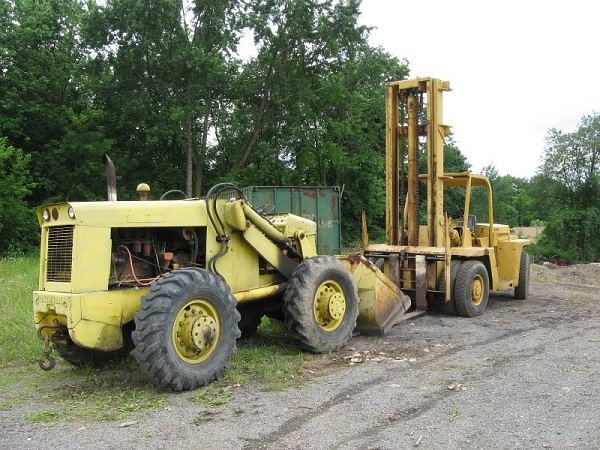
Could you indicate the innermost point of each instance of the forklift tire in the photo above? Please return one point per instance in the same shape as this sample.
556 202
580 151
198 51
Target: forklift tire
320 304
449 307
251 316
522 289
83 357
471 289
186 329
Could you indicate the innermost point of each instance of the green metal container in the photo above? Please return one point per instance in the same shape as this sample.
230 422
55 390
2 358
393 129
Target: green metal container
319 204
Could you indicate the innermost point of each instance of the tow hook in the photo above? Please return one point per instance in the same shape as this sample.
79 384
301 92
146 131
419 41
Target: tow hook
48 362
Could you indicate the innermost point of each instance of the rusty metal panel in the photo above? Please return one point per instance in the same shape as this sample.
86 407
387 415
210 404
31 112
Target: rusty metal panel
320 204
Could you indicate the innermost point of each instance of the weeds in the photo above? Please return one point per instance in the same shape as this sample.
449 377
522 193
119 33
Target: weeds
268 361
454 412
212 396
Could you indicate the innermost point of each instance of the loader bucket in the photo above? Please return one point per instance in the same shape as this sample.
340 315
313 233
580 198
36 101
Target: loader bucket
382 303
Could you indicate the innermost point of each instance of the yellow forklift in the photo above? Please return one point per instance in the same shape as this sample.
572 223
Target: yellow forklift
451 262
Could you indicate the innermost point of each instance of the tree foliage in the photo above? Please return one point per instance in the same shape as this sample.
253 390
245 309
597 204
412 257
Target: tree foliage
570 179
162 88
17 223
166 90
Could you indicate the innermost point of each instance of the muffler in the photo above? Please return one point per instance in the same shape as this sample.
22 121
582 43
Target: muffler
111 178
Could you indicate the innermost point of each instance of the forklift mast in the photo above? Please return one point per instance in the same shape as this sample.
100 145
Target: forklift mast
413 114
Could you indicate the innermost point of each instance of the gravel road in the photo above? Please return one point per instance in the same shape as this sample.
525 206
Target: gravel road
525 374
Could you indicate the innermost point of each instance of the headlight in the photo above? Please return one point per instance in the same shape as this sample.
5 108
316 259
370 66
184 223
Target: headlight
71 212
46 215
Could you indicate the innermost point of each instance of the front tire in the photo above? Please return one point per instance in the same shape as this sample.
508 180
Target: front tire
471 289
320 304
522 289
449 307
186 329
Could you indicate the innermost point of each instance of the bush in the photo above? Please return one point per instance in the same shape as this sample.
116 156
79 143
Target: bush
571 234
18 227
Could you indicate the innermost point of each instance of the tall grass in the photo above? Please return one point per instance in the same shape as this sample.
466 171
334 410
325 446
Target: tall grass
18 278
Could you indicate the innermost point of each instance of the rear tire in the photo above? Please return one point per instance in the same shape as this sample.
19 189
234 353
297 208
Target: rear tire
80 357
522 289
471 289
321 304
251 316
186 329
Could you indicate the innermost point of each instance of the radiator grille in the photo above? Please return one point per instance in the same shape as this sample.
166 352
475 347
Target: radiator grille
60 252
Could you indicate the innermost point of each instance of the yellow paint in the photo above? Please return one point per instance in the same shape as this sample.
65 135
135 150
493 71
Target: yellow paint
196 331
94 315
92 318
477 290
329 306
489 243
382 303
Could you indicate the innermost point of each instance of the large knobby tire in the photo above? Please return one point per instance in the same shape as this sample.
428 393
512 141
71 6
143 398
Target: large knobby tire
251 316
81 357
449 307
320 304
186 329
522 289
471 289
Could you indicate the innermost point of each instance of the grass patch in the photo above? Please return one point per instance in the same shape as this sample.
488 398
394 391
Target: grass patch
18 278
212 396
46 416
268 361
114 392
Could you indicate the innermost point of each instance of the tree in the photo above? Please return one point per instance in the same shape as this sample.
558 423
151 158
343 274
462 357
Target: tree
162 69
573 160
311 105
17 223
571 165
43 110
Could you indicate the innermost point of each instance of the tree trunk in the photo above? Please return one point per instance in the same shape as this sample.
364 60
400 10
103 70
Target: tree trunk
203 144
263 114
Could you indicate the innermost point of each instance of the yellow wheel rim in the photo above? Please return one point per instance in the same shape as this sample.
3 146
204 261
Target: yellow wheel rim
477 290
196 331
329 305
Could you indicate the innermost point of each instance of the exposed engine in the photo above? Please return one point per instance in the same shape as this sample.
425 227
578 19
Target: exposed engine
141 255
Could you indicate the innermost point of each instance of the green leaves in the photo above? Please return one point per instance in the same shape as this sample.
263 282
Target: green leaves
569 180
17 221
159 86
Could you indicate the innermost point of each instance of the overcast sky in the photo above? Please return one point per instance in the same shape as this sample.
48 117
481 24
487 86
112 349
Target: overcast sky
516 68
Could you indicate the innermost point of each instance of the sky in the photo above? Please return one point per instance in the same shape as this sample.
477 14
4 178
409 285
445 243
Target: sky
516 68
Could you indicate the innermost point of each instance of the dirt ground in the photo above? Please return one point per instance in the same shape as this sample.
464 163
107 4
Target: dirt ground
525 374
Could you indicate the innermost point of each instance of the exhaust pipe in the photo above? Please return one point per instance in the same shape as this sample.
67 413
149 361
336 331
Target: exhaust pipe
111 178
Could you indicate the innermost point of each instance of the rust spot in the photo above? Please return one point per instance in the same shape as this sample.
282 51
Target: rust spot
321 193
334 207
310 194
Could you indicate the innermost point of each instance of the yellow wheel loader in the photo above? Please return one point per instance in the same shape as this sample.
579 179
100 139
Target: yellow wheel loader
451 262
168 279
